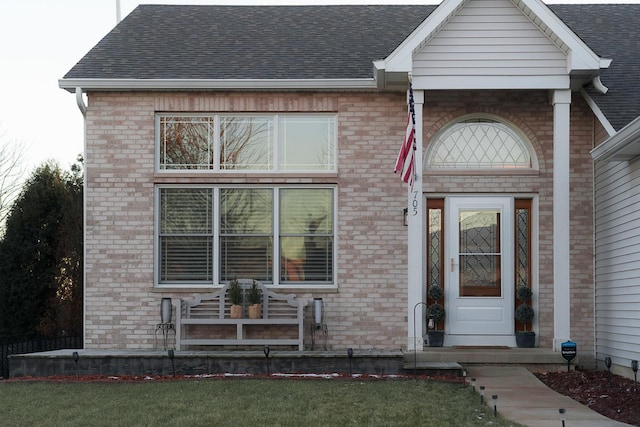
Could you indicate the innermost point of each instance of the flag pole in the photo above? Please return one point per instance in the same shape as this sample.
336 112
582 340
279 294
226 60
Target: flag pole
118 15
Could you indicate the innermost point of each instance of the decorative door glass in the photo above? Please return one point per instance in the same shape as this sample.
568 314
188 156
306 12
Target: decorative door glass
479 253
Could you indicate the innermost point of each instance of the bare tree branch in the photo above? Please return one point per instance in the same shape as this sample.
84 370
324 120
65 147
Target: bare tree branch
12 174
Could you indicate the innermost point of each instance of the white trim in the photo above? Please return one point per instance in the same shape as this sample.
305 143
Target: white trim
598 112
561 221
216 143
492 82
624 145
416 239
579 55
534 169
215 84
401 59
215 282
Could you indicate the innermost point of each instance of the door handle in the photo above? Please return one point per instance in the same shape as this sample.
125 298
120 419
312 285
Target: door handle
452 264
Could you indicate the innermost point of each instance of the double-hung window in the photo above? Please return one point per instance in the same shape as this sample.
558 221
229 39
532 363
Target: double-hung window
280 234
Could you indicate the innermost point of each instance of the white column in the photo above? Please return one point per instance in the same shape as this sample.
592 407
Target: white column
561 205
415 246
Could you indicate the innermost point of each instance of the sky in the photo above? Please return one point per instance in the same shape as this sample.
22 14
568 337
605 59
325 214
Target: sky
40 40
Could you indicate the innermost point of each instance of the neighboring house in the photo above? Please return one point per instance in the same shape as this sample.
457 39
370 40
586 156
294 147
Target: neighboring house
259 142
617 247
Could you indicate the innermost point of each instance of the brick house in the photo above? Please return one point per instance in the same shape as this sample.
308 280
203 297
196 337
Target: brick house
218 147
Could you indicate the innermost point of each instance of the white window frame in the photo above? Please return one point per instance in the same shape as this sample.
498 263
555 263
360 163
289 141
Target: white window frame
217 144
485 170
216 238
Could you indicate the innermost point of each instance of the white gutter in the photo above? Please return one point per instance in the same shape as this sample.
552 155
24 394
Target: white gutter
624 145
80 101
597 84
227 84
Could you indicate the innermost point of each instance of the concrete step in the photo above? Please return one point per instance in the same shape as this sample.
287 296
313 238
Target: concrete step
534 359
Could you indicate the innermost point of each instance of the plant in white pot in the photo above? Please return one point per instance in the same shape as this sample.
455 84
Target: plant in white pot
435 314
525 314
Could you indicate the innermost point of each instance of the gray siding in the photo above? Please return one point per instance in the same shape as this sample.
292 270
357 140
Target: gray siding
617 207
490 38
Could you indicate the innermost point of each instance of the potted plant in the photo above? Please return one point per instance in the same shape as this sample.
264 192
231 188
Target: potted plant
524 314
254 296
235 296
435 314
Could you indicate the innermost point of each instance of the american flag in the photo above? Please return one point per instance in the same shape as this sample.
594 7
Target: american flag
406 162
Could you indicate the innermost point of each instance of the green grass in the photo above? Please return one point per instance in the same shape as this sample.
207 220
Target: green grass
244 402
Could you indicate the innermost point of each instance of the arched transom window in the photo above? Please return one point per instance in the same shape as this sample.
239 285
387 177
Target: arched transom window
480 143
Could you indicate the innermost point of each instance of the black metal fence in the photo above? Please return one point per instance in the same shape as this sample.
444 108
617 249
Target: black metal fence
33 346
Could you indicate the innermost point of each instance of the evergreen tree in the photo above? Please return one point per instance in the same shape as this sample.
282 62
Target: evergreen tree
41 256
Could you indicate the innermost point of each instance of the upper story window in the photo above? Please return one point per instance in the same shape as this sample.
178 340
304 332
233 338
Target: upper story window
480 143
232 142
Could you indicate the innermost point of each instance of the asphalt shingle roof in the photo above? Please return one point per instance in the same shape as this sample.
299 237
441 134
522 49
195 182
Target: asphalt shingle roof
250 42
612 31
326 42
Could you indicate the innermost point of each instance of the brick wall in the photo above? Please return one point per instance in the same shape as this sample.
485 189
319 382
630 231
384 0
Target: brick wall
532 113
369 307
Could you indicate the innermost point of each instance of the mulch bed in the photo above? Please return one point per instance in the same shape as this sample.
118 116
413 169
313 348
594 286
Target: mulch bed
613 396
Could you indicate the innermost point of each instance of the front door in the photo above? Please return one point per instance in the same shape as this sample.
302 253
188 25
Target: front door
479 271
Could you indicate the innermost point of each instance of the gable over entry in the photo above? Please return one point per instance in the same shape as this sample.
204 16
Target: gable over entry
494 45
491 44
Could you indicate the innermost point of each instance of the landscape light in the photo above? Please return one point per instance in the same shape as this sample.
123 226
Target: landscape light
562 412
494 399
76 358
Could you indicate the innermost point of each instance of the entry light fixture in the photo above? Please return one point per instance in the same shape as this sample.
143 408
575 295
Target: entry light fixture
405 216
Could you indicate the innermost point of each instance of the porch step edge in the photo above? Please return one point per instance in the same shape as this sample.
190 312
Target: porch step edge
449 368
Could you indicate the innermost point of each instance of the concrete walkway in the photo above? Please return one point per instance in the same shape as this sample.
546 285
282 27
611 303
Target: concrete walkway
523 398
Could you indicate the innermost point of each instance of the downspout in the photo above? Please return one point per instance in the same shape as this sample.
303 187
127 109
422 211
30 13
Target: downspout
80 101
83 109
597 84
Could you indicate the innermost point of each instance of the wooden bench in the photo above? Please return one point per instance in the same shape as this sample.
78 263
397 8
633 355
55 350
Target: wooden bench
214 309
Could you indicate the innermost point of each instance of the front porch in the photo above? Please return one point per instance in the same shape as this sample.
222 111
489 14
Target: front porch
380 362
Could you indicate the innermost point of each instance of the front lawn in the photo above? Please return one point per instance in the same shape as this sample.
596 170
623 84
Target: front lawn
244 402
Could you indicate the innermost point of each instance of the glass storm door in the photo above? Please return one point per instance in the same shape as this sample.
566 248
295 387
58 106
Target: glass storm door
479 270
